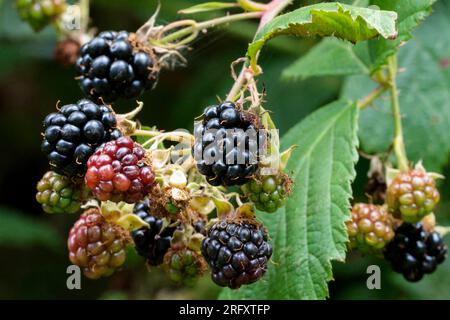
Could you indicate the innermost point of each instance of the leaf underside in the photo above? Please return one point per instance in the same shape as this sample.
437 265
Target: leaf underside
327 19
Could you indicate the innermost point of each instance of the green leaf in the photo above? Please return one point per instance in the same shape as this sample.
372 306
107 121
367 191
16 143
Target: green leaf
410 14
424 97
19 230
326 19
310 231
330 57
207 6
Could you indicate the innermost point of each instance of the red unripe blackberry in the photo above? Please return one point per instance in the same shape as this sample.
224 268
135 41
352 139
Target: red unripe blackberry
58 194
237 253
40 13
97 246
153 242
119 171
412 195
226 147
414 251
111 66
370 228
72 134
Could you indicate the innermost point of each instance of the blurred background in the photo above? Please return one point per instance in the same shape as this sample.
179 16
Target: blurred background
33 250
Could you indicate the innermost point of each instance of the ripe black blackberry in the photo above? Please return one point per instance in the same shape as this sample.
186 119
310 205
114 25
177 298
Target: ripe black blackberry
110 66
237 252
414 251
226 145
151 243
72 134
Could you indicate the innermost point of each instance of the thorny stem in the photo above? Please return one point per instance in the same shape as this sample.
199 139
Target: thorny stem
399 145
207 24
273 8
371 97
84 14
250 5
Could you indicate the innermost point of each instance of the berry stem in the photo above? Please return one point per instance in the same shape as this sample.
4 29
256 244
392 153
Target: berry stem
443 230
371 97
176 136
250 5
84 15
273 9
207 24
399 145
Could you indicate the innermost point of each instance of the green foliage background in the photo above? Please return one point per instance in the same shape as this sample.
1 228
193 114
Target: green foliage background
32 244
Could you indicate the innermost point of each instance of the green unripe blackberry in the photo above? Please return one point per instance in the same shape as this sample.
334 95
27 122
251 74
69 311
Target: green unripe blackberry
184 266
40 13
268 193
412 195
370 228
58 194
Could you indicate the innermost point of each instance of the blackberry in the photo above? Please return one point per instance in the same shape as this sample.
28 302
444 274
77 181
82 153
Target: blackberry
40 13
58 194
72 134
184 266
414 251
110 66
226 145
118 171
268 193
370 228
200 227
151 243
412 195
237 252
97 246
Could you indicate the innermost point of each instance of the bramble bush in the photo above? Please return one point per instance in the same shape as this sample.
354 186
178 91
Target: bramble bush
264 213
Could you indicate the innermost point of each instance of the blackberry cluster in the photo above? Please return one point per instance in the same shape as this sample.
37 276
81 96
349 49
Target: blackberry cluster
370 228
268 193
97 246
117 171
58 194
151 243
184 266
412 195
110 67
40 13
414 252
222 151
72 134
237 253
